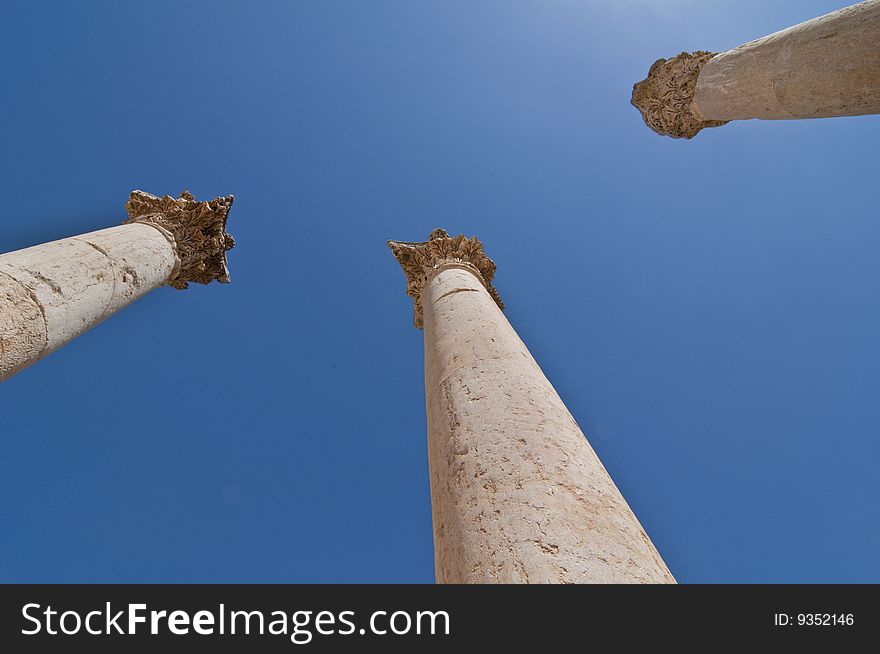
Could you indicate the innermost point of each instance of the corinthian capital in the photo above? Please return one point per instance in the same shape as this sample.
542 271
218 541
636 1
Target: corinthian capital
419 260
664 98
196 229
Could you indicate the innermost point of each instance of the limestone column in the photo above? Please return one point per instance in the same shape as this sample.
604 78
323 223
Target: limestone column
828 66
52 293
517 493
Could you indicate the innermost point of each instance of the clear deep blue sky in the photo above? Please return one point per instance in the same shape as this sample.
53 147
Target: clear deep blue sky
708 309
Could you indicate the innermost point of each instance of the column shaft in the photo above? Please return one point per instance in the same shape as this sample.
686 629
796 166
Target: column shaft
53 292
518 495
66 287
828 66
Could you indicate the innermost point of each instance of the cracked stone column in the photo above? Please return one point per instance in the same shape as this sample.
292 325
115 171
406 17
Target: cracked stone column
828 66
517 493
52 293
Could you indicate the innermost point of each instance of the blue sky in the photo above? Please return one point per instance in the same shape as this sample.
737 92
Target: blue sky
707 309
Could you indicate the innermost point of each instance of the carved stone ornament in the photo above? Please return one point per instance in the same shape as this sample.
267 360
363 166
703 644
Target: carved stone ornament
419 259
196 229
664 97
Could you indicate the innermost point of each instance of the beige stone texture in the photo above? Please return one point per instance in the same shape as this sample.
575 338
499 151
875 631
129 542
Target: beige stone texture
77 282
828 66
518 495
22 327
825 67
53 292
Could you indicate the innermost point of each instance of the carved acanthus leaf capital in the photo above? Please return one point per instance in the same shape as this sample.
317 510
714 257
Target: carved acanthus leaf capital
197 230
664 97
418 260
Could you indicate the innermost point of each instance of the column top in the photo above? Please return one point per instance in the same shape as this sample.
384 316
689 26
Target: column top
196 229
664 97
420 259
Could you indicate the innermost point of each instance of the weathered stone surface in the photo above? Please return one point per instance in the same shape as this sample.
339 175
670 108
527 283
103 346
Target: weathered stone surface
828 66
51 293
22 327
139 261
518 495
664 98
79 281
197 229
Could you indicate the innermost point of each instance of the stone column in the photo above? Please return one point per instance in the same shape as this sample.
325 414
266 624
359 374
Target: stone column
518 495
52 293
828 66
